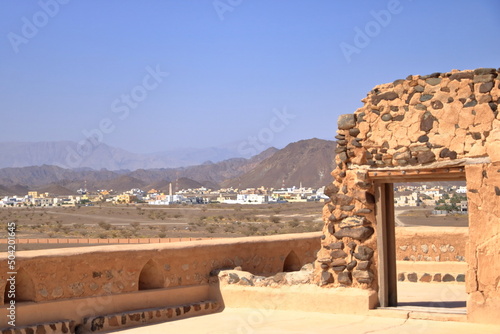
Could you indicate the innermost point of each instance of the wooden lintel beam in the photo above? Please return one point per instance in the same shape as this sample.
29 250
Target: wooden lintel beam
402 175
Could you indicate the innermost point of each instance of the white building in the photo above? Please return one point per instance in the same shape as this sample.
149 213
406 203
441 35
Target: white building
248 199
410 200
11 201
167 200
432 192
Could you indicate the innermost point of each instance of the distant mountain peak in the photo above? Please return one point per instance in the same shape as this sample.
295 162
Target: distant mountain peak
68 155
307 161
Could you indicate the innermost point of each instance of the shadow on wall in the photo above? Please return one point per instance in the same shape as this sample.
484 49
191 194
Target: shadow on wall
20 290
292 262
151 276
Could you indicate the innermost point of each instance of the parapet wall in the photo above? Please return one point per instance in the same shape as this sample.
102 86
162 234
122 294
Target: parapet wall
417 127
122 273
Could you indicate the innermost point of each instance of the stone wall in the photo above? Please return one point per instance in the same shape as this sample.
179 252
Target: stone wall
122 320
421 122
483 249
423 119
435 272
120 271
431 243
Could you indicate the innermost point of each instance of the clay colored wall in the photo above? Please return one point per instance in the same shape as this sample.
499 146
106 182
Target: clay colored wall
421 122
483 249
431 243
65 274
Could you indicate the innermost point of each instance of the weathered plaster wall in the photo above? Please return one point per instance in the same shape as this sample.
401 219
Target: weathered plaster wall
431 243
483 251
63 274
94 271
421 122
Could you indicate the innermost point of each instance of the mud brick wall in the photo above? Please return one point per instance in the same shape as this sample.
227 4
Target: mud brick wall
98 271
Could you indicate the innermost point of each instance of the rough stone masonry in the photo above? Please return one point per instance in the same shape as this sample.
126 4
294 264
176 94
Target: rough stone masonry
419 122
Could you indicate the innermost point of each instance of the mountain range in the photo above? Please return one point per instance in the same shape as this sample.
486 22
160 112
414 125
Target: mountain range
307 161
96 155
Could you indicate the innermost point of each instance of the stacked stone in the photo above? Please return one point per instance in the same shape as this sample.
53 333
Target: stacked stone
418 121
57 327
99 323
346 255
446 116
426 277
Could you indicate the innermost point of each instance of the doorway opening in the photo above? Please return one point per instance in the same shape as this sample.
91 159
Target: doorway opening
422 227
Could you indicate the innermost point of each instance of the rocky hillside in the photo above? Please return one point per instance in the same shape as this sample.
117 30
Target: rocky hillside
61 181
307 161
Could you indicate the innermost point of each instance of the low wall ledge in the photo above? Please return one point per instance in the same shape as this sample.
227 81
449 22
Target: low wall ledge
68 252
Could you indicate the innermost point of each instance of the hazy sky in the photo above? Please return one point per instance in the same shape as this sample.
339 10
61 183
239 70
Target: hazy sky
158 75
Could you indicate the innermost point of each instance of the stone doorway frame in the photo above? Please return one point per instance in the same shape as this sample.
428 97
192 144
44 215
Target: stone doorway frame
384 209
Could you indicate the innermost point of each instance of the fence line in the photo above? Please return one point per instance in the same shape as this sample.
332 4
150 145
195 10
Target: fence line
101 241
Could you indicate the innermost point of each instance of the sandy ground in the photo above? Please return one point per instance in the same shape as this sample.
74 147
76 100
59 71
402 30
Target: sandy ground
255 321
439 295
143 221
406 217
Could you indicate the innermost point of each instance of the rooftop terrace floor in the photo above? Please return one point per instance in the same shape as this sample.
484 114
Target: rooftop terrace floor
397 321
254 321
